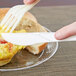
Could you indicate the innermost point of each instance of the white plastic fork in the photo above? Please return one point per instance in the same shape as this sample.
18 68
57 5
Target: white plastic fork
14 15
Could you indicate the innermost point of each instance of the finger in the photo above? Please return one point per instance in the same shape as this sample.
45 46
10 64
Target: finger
29 1
66 31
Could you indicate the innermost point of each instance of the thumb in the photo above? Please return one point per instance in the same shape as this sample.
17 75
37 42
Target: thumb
66 31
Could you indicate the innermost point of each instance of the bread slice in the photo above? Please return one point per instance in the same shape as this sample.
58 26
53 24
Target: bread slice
30 24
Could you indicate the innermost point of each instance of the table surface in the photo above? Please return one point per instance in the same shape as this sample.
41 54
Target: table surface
9 3
63 63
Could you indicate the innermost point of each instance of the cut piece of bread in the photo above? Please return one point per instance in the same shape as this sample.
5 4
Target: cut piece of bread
30 24
36 49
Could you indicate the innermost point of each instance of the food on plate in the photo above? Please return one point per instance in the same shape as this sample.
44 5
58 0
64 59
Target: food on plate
27 24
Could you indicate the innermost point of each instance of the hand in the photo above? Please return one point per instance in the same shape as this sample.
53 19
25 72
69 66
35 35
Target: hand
66 31
29 1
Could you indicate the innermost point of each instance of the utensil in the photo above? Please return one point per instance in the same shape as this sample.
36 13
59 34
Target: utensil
14 15
33 38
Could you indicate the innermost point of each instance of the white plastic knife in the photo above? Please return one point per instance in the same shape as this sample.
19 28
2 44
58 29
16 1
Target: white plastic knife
33 38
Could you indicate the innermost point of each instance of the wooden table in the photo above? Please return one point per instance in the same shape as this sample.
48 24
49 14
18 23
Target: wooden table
63 63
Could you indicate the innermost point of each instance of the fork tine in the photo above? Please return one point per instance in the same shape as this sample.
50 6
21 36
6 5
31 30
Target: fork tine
16 23
8 22
5 19
8 15
12 23
14 19
18 20
10 18
21 13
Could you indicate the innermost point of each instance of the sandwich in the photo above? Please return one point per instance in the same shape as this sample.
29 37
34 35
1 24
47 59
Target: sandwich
27 24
